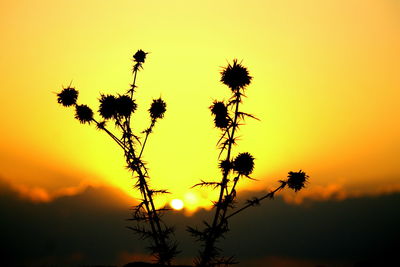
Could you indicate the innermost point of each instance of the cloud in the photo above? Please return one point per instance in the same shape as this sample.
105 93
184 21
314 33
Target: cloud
38 194
89 228
333 191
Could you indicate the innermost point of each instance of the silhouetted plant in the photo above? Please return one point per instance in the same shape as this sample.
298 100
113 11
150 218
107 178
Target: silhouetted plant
118 109
228 117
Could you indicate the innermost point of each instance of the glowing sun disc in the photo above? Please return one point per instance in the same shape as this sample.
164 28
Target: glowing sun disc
176 204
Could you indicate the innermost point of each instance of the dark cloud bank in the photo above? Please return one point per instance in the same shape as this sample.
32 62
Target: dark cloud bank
89 229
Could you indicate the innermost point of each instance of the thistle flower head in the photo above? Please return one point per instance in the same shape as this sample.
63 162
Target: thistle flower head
221 122
157 109
220 111
125 106
218 108
67 97
235 76
108 106
244 164
297 180
140 56
83 113
225 165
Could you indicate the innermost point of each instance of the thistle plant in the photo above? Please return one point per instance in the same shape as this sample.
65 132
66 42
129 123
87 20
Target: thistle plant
118 109
234 167
228 117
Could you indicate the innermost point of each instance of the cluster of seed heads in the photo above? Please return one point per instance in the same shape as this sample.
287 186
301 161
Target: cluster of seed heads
111 107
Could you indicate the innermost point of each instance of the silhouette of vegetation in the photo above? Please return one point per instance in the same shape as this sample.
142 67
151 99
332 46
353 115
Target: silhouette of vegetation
228 117
119 109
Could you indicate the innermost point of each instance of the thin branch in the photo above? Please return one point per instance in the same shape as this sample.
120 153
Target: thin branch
269 195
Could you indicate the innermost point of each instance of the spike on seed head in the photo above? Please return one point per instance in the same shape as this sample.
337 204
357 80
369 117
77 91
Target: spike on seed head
108 106
157 109
101 125
235 76
244 164
297 180
67 97
125 105
83 113
140 56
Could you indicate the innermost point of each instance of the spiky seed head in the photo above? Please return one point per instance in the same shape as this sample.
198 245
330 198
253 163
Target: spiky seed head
297 180
220 111
244 164
157 109
139 56
125 105
221 121
225 166
83 113
235 76
67 97
108 106
219 108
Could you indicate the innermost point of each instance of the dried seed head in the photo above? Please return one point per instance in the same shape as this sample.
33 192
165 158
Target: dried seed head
67 97
157 109
218 108
108 106
220 111
244 164
297 180
235 76
221 122
125 106
225 165
139 56
83 113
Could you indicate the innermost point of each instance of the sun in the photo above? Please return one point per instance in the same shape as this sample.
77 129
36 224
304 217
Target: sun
176 204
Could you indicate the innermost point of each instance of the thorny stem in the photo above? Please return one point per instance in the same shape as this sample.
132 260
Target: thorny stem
134 80
235 181
148 131
129 154
144 188
112 136
212 237
269 195
147 195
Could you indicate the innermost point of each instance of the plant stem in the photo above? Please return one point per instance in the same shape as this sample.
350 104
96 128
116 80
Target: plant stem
112 136
211 238
269 195
147 195
148 131
223 219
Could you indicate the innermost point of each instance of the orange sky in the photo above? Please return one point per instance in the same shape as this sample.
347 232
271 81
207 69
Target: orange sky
326 88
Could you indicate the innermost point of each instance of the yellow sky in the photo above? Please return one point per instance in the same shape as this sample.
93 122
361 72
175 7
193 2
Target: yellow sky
326 88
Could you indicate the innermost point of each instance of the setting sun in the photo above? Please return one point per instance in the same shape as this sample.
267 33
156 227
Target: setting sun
176 204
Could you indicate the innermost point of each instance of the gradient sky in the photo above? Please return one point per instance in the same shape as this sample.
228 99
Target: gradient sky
326 88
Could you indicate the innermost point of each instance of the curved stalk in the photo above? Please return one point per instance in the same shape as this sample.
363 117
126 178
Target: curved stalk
269 195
